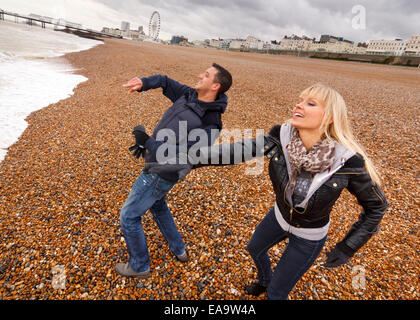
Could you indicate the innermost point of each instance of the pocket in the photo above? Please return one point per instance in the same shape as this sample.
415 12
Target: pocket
162 187
336 183
330 191
148 179
143 183
144 180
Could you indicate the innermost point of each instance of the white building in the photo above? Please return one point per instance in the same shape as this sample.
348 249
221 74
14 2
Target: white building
111 31
359 50
290 44
253 43
413 45
275 46
237 44
125 25
214 43
295 43
393 47
342 47
128 34
133 34
224 43
199 43
339 46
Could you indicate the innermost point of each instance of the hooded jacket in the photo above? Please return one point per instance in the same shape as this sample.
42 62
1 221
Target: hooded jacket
348 171
172 133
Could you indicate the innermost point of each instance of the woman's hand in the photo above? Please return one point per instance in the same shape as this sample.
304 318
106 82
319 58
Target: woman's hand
336 258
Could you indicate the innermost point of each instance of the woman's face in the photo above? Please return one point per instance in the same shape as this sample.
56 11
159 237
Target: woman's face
308 113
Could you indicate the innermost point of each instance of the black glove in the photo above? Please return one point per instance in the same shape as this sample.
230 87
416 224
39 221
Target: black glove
336 258
140 135
137 150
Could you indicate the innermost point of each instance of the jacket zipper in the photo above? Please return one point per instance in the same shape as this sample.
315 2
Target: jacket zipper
377 194
284 193
285 201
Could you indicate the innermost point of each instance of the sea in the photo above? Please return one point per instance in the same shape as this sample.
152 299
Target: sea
29 78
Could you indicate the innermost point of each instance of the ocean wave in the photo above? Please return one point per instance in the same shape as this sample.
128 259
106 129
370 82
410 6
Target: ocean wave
7 56
24 59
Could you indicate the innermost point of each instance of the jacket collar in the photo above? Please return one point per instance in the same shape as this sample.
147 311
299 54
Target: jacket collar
200 107
342 154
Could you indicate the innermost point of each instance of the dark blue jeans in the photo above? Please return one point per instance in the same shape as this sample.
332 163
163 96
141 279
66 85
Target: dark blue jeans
298 257
148 192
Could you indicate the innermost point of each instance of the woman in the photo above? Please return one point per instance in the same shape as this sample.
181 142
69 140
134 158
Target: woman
313 157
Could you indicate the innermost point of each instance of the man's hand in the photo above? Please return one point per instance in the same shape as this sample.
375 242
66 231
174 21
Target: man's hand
134 85
141 137
137 150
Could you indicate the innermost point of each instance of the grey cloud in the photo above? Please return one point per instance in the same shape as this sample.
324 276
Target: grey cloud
269 20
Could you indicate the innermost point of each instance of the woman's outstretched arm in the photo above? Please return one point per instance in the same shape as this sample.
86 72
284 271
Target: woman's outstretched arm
235 153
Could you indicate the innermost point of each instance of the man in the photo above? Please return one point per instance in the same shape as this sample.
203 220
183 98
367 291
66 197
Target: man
193 108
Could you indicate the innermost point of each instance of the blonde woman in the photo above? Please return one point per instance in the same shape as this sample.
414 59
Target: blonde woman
313 157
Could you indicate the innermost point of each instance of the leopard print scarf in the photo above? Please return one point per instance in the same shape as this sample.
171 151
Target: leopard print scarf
318 159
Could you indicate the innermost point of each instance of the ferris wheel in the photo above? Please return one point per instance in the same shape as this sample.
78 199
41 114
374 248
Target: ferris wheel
154 25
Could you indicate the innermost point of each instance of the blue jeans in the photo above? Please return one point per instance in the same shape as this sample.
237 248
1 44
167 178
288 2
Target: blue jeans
298 257
148 192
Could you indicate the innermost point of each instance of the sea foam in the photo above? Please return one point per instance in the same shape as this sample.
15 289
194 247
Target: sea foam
29 78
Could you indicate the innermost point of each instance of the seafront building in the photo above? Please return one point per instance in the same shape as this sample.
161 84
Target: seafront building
339 46
292 43
395 47
326 38
214 43
413 45
179 40
237 44
125 26
253 43
326 43
296 43
126 32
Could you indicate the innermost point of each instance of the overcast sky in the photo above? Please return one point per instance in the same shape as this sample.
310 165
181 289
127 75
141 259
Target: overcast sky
267 20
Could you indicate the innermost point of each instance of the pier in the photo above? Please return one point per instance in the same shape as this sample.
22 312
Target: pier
69 26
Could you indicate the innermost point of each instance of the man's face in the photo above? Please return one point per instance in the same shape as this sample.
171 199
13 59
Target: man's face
206 81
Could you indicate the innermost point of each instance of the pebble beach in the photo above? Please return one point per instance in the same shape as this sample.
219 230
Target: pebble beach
63 183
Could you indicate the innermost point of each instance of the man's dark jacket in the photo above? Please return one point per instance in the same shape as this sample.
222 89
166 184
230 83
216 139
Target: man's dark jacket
188 112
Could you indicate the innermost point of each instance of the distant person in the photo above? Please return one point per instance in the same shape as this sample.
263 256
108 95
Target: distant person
313 157
193 108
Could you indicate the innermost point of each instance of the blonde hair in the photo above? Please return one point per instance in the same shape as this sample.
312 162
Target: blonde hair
339 129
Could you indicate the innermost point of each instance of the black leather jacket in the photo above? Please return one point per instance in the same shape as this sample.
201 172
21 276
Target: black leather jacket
352 175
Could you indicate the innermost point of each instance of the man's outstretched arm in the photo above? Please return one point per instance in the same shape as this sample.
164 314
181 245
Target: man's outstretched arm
171 89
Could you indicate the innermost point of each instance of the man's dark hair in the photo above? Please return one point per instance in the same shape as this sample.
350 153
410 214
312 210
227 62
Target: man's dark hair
223 77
